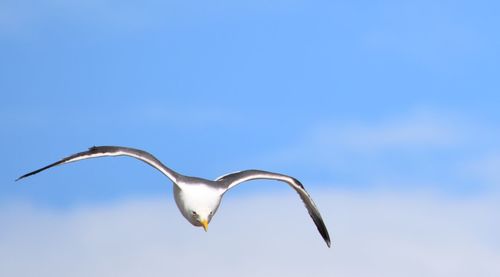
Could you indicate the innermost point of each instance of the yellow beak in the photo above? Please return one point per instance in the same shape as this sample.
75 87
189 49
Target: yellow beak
204 223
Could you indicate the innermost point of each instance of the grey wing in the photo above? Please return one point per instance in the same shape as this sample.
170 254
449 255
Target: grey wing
106 151
230 180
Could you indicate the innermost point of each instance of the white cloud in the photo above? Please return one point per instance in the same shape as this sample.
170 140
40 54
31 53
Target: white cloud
157 115
486 169
443 150
427 33
374 234
418 129
336 142
23 17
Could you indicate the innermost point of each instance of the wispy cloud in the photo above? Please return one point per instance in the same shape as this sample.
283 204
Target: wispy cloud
419 129
426 146
429 33
24 17
486 169
124 115
374 234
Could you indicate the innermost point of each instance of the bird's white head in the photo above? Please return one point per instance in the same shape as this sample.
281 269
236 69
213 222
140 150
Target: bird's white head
198 204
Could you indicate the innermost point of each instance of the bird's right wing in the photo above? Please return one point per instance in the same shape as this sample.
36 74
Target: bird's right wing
230 180
106 151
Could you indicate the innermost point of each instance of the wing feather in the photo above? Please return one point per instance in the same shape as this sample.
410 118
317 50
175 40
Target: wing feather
230 180
107 151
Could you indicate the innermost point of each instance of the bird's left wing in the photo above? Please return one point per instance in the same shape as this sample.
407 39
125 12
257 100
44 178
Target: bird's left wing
230 180
106 151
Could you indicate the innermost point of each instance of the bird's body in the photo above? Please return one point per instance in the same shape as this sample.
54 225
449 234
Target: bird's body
198 199
196 196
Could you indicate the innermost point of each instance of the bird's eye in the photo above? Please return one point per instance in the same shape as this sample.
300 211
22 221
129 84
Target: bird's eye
194 213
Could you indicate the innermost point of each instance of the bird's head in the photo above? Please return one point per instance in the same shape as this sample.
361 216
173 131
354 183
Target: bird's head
201 217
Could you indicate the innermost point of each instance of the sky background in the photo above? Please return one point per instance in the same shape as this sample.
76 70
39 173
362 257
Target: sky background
387 111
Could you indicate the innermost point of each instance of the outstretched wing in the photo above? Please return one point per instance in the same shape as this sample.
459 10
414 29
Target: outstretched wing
233 179
107 151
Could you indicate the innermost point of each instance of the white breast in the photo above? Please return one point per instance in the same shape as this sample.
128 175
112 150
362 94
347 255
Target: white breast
200 198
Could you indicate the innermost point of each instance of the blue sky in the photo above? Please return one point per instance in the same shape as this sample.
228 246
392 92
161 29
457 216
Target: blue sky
220 86
357 98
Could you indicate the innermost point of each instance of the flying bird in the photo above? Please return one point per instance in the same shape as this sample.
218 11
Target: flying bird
198 199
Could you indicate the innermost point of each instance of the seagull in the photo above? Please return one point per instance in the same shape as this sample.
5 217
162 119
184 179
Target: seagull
198 199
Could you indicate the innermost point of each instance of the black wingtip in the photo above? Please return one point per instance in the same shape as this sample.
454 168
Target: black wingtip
24 176
318 221
327 239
